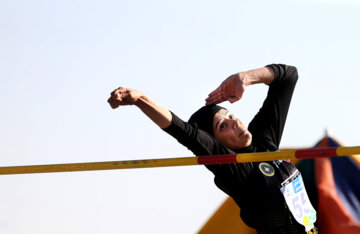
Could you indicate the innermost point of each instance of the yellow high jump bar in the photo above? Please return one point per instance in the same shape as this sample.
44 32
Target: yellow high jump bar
185 161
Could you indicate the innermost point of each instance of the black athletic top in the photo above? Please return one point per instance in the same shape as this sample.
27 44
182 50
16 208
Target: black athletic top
256 190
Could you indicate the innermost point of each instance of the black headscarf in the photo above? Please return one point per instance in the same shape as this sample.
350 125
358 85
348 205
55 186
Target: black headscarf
203 117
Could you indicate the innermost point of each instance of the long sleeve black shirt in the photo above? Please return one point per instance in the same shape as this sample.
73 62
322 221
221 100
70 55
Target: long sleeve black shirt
258 195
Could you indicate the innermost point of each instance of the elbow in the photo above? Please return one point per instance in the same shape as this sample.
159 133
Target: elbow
292 74
285 72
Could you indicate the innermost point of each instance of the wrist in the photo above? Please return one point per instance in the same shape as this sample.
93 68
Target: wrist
261 75
244 78
141 100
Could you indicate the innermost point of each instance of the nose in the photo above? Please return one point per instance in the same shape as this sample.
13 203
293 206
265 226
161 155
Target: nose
234 123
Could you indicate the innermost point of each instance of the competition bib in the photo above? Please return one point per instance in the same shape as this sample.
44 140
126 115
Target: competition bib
298 201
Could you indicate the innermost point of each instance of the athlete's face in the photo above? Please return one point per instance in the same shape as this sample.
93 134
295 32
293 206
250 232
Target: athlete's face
230 131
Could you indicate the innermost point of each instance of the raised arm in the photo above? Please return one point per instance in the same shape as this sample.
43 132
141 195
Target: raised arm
268 124
125 96
232 88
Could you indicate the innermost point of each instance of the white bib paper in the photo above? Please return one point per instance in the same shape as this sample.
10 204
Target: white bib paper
299 203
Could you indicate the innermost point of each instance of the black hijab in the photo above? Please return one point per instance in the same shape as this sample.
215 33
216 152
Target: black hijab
203 117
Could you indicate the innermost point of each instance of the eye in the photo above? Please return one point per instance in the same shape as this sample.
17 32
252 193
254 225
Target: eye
231 117
222 126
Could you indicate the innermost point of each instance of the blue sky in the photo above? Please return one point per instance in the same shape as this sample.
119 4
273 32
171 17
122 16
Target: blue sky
59 60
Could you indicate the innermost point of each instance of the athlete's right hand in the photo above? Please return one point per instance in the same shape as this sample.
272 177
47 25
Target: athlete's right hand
124 96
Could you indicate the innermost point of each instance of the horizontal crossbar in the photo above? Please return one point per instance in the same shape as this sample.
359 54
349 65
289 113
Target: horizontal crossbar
184 161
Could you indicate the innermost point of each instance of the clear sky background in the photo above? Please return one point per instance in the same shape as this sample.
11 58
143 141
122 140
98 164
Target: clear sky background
59 60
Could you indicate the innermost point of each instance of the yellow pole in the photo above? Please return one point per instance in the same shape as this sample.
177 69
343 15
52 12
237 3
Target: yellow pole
92 166
184 161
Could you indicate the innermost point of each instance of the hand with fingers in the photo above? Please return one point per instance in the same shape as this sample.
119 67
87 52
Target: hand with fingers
124 96
231 89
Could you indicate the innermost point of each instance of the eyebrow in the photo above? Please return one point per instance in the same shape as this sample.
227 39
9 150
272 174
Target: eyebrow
217 123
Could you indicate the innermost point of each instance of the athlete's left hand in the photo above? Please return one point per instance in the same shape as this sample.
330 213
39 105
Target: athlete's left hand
231 89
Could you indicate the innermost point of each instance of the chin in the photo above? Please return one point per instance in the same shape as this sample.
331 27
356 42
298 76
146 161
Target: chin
248 139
